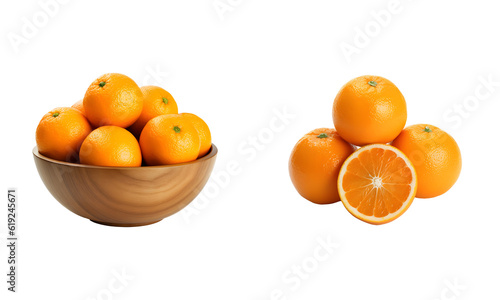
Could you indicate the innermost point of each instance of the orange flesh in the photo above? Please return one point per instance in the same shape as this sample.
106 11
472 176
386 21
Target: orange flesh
377 182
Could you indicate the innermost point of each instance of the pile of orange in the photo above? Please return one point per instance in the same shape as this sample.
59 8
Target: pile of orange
378 181
119 124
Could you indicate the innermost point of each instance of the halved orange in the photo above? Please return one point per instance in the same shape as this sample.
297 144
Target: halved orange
377 183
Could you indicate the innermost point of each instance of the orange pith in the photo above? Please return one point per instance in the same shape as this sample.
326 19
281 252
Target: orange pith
377 183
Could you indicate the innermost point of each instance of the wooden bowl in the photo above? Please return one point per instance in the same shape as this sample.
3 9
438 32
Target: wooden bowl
125 196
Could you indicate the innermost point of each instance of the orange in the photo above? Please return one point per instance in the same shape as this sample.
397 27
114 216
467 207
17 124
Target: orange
113 99
61 132
369 109
203 132
169 139
315 163
377 183
111 146
435 155
79 106
157 102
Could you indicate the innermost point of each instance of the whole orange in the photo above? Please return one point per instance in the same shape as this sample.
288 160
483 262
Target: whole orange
113 99
203 132
111 146
169 139
435 156
157 102
79 106
315 164
61 132
369 109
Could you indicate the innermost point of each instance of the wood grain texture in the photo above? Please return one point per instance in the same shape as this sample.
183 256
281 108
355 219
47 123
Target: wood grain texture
125 196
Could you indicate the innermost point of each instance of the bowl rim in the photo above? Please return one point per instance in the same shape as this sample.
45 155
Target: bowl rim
212 153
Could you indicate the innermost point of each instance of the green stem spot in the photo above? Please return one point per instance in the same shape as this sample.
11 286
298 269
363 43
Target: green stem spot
427 129
322 135
372 83
102 83
177 129
55 114
165 100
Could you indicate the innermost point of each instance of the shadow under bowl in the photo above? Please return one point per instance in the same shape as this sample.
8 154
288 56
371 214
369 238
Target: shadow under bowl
125 196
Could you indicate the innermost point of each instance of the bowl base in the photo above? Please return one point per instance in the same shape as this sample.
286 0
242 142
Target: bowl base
124 224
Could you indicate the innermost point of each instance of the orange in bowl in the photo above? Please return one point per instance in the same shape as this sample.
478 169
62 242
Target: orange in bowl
111 146
61 132
113 99
203 132
157 102
79 106
169 139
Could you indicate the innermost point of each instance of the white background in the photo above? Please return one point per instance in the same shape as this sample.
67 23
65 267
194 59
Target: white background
238 70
